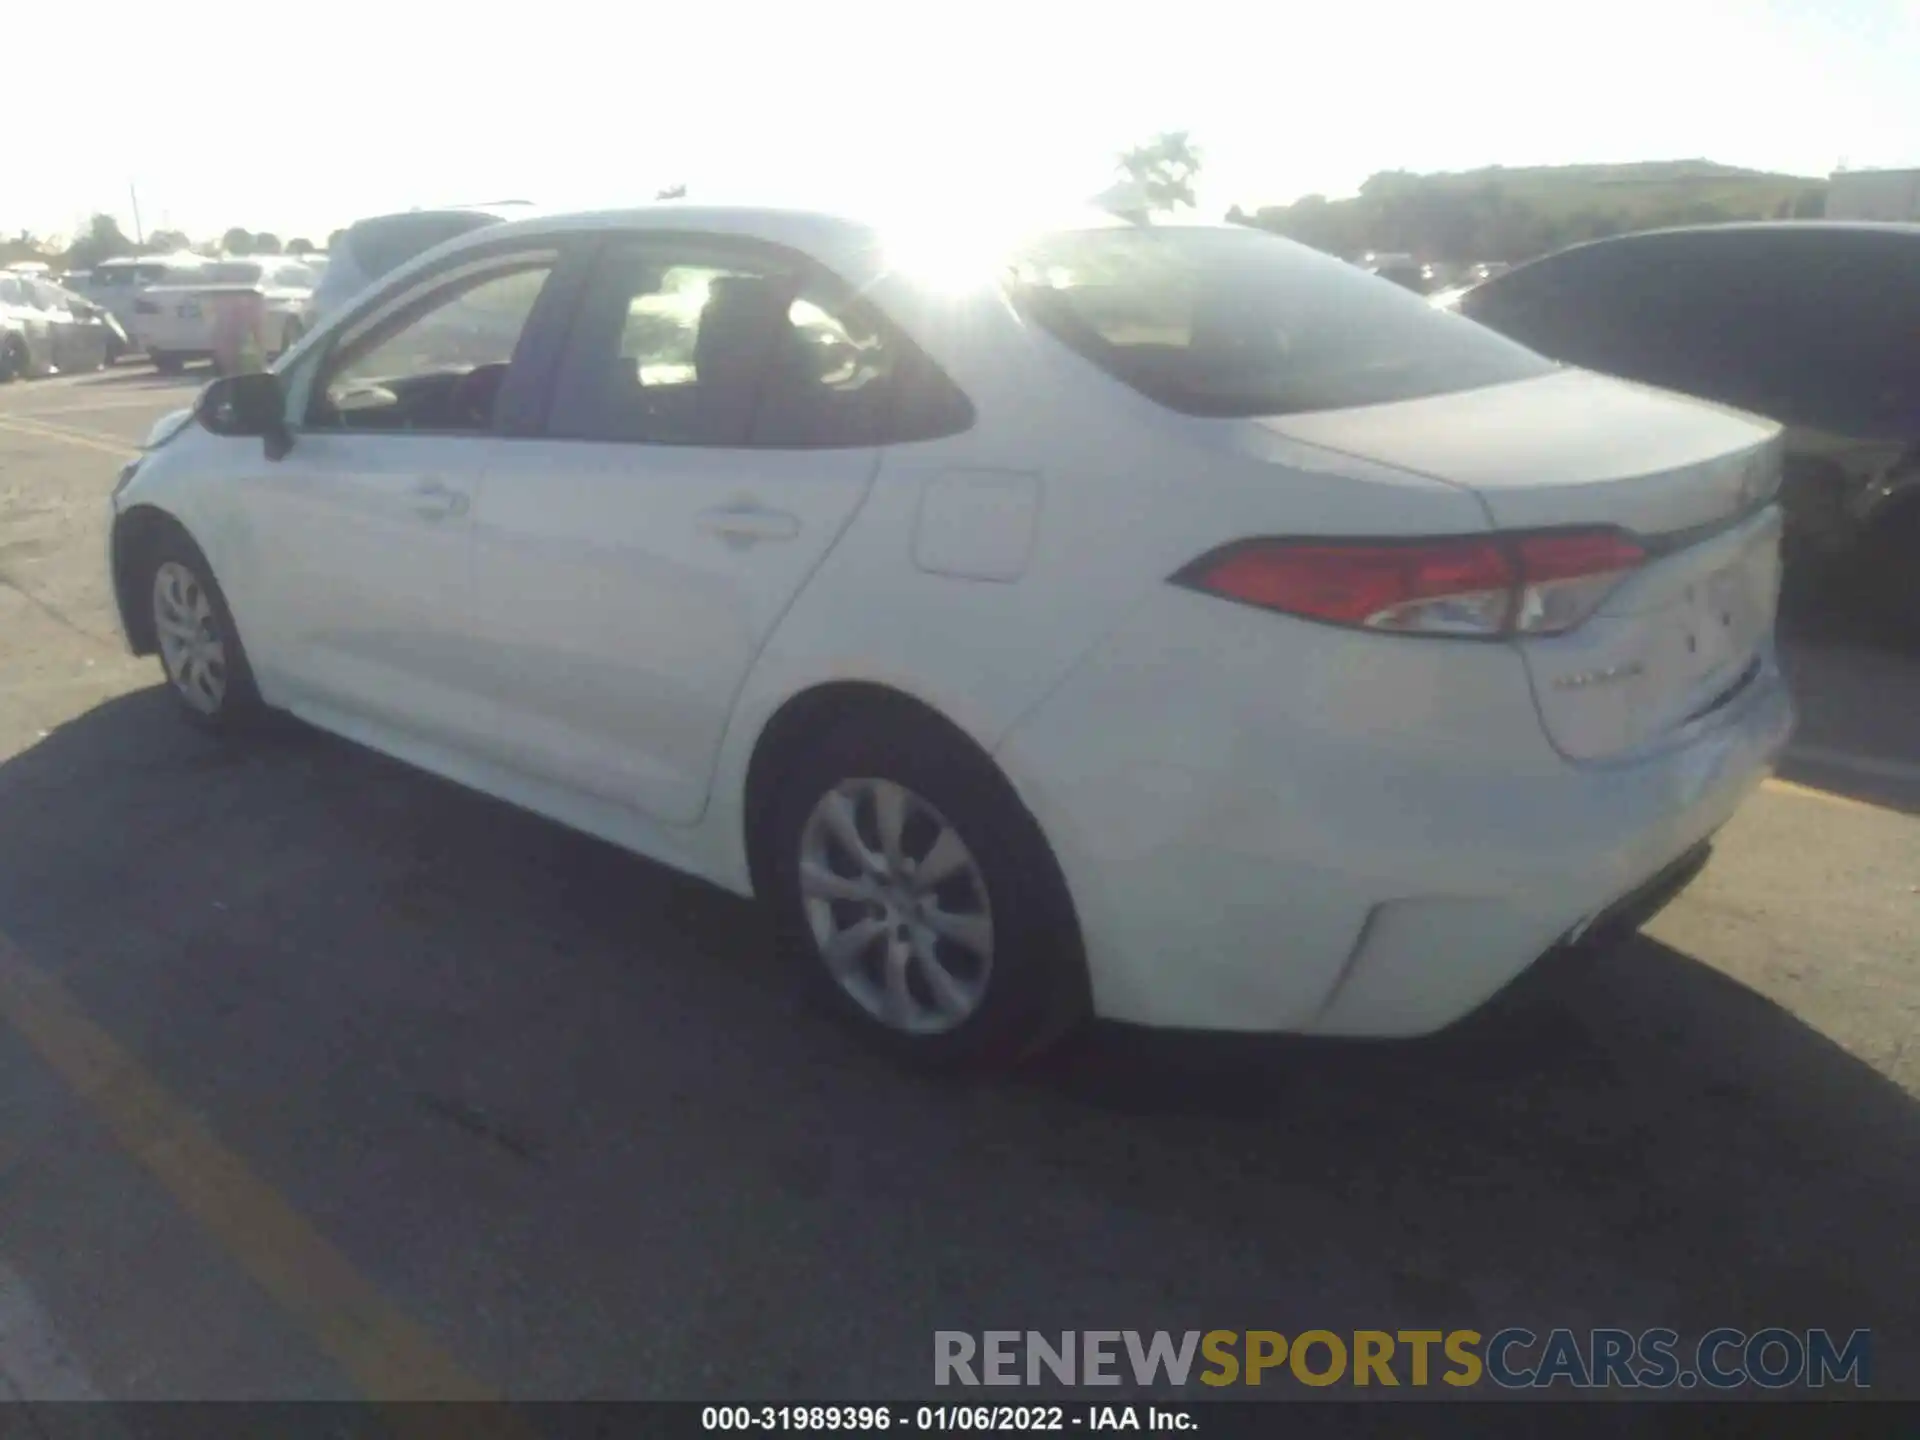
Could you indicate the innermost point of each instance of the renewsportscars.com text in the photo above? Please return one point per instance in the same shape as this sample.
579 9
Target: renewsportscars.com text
1514 1358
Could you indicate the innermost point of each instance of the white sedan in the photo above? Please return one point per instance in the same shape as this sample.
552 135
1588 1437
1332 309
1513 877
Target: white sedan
1170 624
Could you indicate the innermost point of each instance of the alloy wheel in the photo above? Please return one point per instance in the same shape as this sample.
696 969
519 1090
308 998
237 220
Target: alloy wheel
188 630
897 906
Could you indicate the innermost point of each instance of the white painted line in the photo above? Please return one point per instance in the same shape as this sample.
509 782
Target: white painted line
1869 765
34 1361
93 439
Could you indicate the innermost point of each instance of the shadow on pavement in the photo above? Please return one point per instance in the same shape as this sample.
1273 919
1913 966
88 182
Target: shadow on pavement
399 1000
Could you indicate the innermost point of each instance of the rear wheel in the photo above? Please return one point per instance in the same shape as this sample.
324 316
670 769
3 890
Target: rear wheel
200 651
13 358
166 362
920 897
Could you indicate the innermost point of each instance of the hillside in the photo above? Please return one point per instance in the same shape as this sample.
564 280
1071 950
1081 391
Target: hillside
1514 214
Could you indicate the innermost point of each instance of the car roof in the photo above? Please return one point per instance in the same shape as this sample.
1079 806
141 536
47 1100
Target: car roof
820 232
1762 227
502 209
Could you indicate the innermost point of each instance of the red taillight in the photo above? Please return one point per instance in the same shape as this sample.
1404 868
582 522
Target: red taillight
1470 585
1564 575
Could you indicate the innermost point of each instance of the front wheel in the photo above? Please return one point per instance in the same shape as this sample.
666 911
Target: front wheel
920 896
14 362
166 362
200 651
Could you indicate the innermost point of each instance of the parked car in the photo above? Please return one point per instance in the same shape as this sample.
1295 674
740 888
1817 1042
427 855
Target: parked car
191 313
116 284
374 247
1816 324
1402 270
44 329
1172 623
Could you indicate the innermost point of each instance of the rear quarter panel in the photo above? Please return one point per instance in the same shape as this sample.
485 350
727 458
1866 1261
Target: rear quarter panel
1122 494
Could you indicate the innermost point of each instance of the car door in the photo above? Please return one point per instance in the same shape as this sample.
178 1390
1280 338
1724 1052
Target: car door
362 533
712 431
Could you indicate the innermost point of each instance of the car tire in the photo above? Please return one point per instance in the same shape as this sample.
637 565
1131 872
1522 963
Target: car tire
14 360
205 665
166 362
974 968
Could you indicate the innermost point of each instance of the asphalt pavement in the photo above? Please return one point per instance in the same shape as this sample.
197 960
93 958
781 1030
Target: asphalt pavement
323 1078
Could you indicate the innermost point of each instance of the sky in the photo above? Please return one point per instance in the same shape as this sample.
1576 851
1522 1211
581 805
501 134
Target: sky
300 119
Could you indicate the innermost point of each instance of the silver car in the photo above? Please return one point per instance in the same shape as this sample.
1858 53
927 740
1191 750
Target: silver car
44 329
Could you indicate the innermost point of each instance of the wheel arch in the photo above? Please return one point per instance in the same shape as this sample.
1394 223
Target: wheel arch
136 530
811 712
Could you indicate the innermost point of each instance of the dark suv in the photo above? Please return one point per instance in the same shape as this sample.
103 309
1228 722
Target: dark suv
1814 324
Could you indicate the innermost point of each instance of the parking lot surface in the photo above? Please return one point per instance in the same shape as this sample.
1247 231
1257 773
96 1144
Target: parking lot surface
322 1078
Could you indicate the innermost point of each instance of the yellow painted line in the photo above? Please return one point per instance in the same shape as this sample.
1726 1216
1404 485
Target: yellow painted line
390 1358
93 438
1809 792
145 399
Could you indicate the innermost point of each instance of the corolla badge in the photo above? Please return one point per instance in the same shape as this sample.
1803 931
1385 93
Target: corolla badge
1586 679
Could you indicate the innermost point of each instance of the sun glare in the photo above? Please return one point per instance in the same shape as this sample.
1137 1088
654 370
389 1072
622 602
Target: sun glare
948 253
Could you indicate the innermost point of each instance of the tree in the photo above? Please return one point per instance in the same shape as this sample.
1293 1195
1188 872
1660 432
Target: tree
299 245
266 243
237 241
672 192
24 246
103 241
1164 168
166 242
1237 216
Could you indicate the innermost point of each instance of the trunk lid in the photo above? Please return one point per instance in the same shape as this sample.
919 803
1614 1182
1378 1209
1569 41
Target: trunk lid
1681 636
1570 448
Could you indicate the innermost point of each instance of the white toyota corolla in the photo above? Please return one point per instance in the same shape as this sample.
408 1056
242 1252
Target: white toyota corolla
1167 623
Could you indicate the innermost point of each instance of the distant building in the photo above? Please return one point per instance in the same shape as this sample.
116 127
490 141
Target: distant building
1874 195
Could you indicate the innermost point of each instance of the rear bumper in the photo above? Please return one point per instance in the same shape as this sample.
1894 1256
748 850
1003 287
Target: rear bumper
1358 836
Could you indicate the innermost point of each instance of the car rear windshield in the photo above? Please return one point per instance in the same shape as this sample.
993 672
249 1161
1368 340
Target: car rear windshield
1236 322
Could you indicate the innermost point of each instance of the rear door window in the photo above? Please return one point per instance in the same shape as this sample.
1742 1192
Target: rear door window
1236 322
689 342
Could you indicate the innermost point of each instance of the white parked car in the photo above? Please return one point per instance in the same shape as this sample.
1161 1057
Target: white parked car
115 285
184 317
1174 624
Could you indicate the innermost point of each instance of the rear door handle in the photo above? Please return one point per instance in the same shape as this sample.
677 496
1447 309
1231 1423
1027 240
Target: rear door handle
746 522
437 500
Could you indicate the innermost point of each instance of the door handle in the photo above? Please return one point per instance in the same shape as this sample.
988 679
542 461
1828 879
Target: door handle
746 522
437 500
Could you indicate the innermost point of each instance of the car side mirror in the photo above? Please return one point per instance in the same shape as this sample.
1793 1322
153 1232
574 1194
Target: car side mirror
247 405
